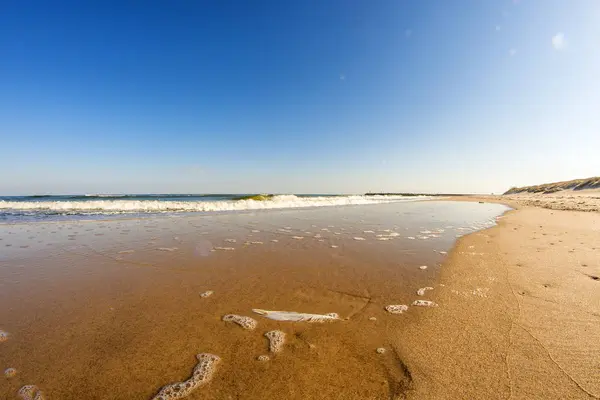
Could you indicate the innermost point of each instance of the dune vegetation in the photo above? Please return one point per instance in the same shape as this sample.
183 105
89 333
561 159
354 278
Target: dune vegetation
575 184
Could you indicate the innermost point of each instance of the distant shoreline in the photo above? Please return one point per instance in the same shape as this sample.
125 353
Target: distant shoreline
419 194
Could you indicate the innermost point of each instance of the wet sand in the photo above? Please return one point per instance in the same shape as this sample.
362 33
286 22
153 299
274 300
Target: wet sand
112 316
112 309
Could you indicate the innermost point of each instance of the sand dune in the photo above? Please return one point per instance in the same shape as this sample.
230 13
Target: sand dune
575 195
575 184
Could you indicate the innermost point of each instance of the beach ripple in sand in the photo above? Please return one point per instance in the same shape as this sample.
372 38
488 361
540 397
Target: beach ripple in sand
203 373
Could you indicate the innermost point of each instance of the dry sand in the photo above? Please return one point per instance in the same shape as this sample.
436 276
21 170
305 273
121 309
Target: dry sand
584 200
519 314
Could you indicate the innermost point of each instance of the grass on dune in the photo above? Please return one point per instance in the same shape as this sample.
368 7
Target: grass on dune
575 184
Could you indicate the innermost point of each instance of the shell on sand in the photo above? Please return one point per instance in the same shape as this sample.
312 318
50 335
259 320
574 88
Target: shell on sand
296 317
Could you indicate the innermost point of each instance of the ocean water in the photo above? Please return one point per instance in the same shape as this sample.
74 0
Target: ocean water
49 207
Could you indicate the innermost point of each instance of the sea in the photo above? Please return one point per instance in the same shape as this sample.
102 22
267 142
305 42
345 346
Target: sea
14 209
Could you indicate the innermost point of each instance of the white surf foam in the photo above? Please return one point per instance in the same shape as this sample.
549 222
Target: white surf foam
158 206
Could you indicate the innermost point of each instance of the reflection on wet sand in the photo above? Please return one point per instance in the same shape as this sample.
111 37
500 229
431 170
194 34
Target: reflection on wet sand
125 314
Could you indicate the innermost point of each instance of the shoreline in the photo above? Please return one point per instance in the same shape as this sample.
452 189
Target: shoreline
496 332
125 296
519 315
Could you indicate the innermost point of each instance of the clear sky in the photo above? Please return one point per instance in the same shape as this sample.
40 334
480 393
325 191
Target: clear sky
307 96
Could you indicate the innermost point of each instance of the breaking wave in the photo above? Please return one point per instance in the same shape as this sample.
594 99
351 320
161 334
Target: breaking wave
117 206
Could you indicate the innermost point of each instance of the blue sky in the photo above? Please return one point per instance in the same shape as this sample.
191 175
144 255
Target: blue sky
297 96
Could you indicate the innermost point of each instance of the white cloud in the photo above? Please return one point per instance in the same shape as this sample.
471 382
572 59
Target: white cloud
558 41
512 52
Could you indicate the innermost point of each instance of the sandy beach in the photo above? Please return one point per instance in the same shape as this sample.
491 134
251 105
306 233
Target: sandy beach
300 200
113 310
521 310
